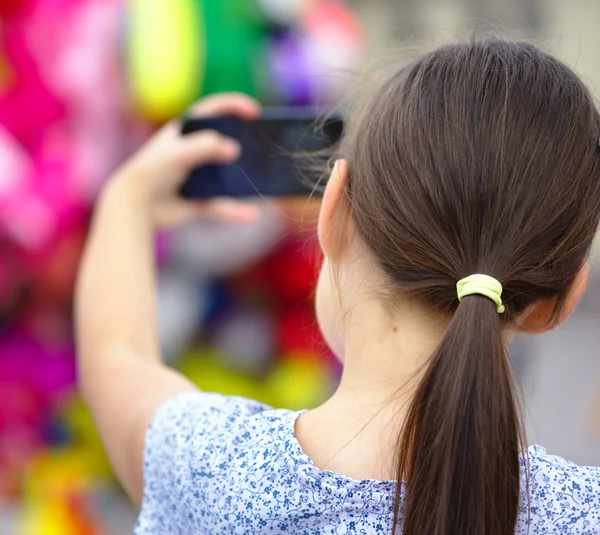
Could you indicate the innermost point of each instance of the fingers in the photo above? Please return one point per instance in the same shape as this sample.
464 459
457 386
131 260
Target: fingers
237 104
204 147
172 155
229 210
178 211
209 146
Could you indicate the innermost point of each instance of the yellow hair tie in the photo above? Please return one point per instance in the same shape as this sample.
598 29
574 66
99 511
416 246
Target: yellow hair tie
482 285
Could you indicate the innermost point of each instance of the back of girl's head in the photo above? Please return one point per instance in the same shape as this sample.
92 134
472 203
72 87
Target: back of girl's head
477 158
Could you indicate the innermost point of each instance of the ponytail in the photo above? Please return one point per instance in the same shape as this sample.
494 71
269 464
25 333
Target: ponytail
458 449
457 167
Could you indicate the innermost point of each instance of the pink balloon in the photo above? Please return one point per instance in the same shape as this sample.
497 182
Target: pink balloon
47 372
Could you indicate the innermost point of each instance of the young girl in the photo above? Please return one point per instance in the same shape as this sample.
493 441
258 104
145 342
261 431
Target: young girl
459 213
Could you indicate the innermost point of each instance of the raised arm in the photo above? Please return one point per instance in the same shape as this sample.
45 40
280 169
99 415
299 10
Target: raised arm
121 375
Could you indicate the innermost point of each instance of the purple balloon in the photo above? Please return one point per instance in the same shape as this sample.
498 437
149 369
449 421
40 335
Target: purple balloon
291 69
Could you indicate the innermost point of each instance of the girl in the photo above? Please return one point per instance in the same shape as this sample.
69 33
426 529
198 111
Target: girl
459 213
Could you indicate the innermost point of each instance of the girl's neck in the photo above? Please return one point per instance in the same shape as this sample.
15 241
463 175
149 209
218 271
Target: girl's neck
386 352
355 431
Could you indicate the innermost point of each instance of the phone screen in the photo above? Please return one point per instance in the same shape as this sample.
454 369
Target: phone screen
277 150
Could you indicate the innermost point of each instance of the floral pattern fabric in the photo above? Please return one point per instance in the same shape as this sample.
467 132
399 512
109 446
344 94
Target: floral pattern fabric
215 464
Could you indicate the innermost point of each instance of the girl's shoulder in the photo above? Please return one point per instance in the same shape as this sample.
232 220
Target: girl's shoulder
558 496
203 421
203 454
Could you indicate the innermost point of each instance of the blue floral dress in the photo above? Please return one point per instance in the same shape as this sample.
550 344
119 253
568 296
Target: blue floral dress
215 464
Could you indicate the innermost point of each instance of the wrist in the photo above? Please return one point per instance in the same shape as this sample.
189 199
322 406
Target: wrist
125 188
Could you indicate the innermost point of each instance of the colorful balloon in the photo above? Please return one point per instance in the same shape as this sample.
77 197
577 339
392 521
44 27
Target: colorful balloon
206 368
309 63
299 383
235 46
166 56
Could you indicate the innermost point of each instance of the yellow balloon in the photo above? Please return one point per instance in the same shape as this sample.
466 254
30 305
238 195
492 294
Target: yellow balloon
46 518
205 368
166 49
53 477
299 382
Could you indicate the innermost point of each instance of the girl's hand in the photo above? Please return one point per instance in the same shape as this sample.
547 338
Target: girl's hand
156 172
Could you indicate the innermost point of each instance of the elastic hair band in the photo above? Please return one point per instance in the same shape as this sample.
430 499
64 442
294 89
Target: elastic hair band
481 285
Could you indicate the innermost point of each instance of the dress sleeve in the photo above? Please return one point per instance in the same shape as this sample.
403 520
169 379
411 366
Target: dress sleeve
188 438
565 497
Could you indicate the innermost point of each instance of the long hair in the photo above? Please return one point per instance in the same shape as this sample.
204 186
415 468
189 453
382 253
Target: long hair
476 158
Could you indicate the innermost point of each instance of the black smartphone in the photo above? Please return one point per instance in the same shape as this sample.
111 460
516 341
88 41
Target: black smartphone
277 149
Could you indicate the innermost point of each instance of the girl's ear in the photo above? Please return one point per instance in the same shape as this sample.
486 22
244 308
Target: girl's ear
537 319
332 200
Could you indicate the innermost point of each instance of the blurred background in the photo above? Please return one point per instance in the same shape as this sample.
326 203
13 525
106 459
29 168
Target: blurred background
85 82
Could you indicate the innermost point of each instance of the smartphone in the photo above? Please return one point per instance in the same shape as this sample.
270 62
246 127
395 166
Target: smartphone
276 150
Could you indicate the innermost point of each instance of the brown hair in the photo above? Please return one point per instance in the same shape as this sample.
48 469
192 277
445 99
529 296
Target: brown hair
476 158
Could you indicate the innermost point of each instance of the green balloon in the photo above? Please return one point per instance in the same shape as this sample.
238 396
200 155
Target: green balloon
236 40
